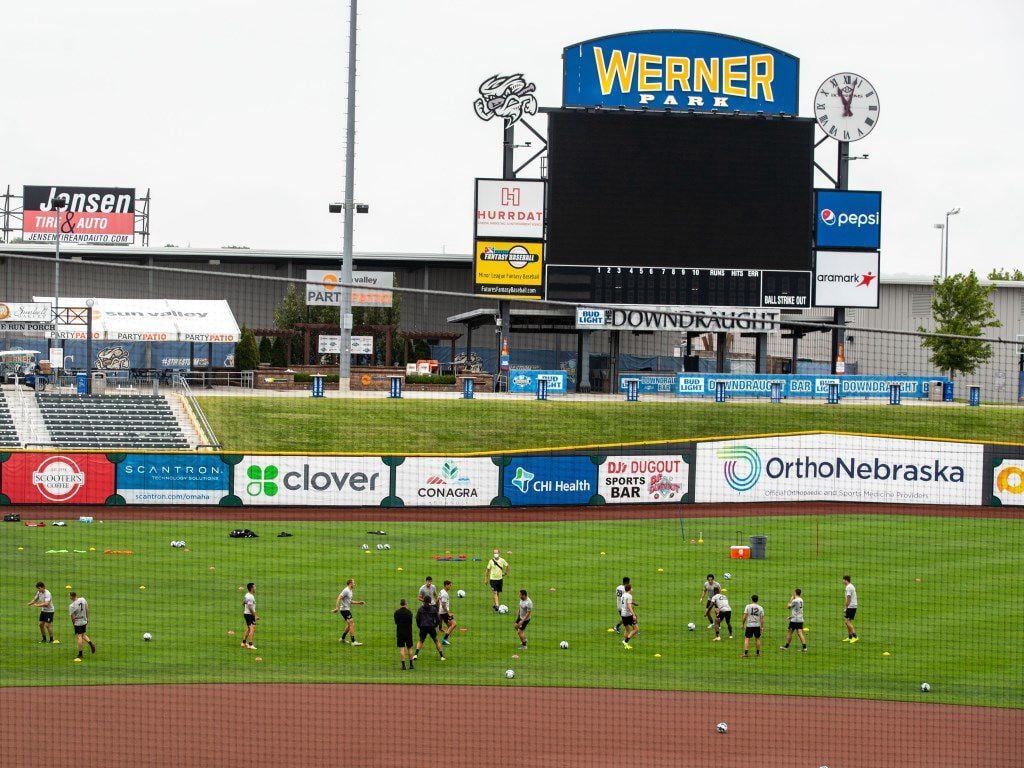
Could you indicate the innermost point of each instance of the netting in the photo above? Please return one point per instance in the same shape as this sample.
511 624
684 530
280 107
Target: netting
528 447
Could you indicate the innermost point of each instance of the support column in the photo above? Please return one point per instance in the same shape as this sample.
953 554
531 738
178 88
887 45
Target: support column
793 357
760 356
838 335
387 349
469 342
613 362
583 363
839 318
720 352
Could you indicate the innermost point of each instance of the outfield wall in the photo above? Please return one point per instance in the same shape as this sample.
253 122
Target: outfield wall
783 468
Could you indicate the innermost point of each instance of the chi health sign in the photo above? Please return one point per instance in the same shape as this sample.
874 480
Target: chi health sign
643 479
839 468
1008 483
351 481
172 479
446 482
550 480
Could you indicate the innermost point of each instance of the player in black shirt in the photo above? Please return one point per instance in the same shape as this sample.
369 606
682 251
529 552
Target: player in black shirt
403 630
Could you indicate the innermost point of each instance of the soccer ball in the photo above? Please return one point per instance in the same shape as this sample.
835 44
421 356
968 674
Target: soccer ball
461 593
925 687
380 546
510 673
178 544
563 645
387 546
147 637
726 575
502 609
366 546
722 727
691 626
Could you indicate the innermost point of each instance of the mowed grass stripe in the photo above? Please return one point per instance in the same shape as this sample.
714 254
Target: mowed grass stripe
301 424
954 629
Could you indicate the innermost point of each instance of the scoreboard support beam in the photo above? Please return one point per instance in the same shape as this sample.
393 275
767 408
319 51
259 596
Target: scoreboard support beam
583 361
760 348
720 345
839 314
508 171
613 361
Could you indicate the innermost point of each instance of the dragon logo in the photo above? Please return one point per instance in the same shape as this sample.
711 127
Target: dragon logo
112 359
508 97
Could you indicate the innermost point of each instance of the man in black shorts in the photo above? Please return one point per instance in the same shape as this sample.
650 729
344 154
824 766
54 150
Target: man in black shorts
403 631
796 621
44 602
426 620
753 623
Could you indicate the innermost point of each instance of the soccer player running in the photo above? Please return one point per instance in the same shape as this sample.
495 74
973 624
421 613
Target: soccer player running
426 620
249 614
850 611
79 610
445 615
44 602
403 631
523 618
494 575
753 623
796 621
723 614
628 615
711 588
620 590
343 605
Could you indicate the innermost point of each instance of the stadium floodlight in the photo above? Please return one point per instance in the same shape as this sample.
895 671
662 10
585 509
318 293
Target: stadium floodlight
945 264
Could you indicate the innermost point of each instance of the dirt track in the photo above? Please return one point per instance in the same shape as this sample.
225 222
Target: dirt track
399 725
506 515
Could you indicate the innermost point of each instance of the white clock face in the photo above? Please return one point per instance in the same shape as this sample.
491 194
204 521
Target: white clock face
846 107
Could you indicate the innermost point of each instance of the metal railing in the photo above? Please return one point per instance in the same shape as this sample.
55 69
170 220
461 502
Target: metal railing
205 430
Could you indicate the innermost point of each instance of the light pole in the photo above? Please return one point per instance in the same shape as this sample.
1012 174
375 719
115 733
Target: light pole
953 212
345 309
942 251
88 345
59 204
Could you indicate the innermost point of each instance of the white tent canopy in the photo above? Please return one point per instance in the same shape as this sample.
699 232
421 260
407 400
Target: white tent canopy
152 320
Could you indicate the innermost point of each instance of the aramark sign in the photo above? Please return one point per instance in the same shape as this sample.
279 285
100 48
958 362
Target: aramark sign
827 467
680 69
702 319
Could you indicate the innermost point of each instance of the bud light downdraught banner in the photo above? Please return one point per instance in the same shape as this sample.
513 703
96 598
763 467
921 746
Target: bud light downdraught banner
679 69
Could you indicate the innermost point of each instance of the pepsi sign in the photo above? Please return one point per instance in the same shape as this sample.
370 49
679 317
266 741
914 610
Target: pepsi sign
680 69
848 219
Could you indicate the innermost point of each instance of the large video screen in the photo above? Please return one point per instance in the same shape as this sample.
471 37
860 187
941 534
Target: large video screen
671 190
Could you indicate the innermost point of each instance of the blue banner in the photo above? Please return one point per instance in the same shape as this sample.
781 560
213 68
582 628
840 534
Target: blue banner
848 219
760 385
520 381
663 383
680 69
550 480
168 478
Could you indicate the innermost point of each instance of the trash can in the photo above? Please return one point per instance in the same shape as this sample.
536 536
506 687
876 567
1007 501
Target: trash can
758 547
81 383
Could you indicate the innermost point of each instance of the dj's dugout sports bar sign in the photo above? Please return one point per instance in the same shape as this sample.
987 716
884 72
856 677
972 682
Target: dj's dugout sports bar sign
807 467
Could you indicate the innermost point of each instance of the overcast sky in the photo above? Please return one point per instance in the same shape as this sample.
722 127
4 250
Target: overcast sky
233 112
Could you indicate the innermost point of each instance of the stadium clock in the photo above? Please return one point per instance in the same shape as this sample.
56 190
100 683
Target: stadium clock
846 107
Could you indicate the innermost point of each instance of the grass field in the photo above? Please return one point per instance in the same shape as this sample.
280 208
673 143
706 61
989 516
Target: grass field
957 628
286 424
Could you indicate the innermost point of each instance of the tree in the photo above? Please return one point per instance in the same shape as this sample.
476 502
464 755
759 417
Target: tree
247 355
960 307
265 349
1006 274
291 310
279 353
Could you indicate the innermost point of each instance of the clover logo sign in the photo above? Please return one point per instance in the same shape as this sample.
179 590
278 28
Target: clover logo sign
261 480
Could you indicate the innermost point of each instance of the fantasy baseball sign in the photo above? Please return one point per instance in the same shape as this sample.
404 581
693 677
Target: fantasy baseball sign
680 70
80 214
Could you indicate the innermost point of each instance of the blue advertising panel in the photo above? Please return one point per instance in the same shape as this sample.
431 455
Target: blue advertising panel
760 385
550 480
522 381
848 219
664 383
680 69
168 478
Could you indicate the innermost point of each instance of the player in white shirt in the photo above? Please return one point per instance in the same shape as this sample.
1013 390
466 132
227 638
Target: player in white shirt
850 610
796 621
428 590
79 610
620 590
710 589
249 614
753 624
343 605
523 618
628 613
44 602
723 614
444 611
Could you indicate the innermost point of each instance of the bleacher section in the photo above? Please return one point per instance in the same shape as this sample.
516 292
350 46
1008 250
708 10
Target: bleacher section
111 421
8 432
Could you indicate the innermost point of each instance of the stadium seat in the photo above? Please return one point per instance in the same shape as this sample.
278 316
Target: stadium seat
106 422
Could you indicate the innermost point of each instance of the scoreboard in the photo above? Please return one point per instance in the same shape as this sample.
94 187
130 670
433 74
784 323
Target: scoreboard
666 286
